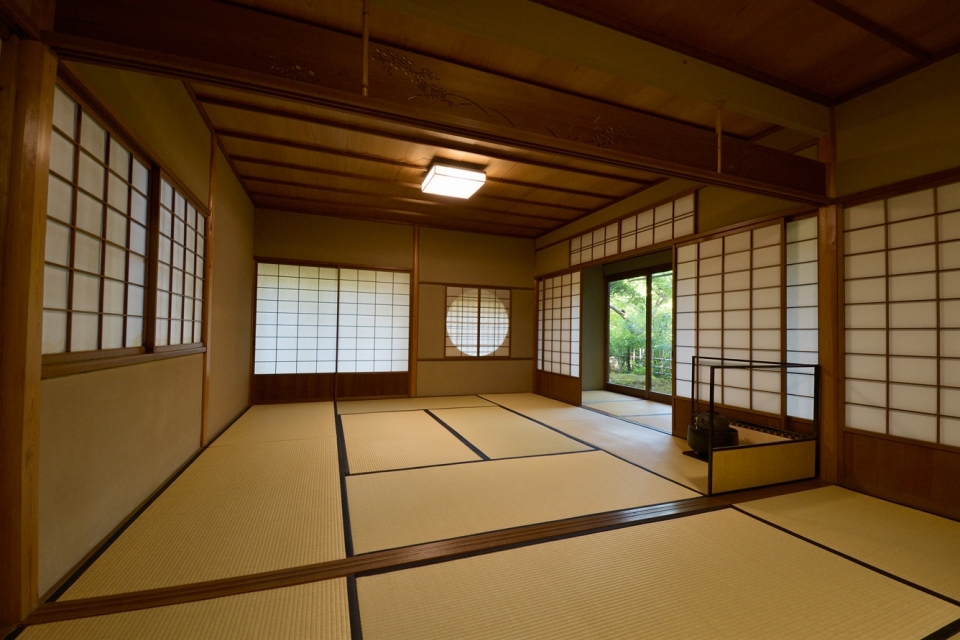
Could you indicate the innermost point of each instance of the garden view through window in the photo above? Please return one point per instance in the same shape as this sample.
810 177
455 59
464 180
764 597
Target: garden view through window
640 335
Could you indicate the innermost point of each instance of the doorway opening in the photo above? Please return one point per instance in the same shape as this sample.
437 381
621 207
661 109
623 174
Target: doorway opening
639 345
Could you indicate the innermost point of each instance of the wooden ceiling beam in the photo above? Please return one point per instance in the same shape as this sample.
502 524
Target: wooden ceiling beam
440 143
306 146
344 174
288 59
336 209
451 214
559 218
870 26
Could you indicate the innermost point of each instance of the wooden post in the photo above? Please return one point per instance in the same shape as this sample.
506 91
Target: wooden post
415 312
206 329
28 71
830 318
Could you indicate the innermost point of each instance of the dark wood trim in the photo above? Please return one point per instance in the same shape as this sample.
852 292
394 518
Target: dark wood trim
476 359
292 387
892 438
414 341
936 179
53 359
86 366
28 71
583 11
560 387
769 131
19 21
872 27
480 286
402 558
442 143
207 312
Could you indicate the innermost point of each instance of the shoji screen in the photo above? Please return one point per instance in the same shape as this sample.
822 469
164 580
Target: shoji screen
558 324
730 305
802 322
902 293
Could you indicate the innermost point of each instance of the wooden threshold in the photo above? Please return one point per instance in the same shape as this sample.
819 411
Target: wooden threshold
401 558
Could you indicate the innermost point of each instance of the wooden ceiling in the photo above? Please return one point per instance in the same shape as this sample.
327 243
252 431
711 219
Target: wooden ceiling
824 50
557 140
296 157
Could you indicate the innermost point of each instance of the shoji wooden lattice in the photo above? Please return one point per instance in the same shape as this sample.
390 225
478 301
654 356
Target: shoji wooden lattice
558 324
902 294
668 221
730 304
180 256
313 319
96 238
477 322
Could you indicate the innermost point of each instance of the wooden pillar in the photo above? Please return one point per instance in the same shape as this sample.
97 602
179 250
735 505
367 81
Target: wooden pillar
415 312
830 318
28 72
206 330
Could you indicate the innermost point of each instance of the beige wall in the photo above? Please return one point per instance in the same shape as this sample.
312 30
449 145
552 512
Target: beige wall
593 315
718 207
232 314
298 236
902 130
472 258
160 113
107 440
450 257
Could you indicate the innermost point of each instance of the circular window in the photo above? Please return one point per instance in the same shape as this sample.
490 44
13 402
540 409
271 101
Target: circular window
477 322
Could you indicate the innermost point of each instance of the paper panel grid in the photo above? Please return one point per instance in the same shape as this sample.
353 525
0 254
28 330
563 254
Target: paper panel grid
901 312
179 269
477 322
96 240
558 324
374 321
802 318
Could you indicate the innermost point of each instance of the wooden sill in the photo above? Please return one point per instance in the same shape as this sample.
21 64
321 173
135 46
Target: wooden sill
59 369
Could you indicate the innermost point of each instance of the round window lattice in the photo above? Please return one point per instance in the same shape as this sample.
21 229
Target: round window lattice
477 322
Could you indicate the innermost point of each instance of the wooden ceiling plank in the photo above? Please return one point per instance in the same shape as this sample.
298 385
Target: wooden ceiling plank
284 58
359 176
442 143
870 26
322 207
557 217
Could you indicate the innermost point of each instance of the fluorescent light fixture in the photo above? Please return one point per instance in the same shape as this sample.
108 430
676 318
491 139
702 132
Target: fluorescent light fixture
443 180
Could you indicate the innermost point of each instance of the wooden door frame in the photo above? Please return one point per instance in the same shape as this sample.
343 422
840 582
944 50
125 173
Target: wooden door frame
646 393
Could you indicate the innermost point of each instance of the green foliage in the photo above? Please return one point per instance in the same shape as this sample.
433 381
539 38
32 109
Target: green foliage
628 324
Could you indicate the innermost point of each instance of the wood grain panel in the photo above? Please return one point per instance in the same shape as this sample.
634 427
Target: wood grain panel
373 385
28 73
904 471
563 388
291 387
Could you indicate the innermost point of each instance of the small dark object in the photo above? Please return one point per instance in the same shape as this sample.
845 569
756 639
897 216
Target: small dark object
698 433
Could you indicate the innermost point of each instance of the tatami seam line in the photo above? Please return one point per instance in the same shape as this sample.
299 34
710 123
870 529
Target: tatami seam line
845 556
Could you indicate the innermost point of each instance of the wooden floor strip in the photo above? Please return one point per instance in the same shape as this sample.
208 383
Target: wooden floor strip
396 558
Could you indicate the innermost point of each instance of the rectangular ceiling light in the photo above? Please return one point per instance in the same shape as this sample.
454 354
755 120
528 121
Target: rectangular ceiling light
443 180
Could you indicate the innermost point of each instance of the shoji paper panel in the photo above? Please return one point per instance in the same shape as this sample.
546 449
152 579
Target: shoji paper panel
729 305
902 311
802 336
558 324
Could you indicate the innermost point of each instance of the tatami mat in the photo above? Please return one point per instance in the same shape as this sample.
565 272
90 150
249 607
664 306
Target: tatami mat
917 546
502 434
400 440
633 408
599 395
245 508
409 404
315 611
420 505
272 422
716 575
